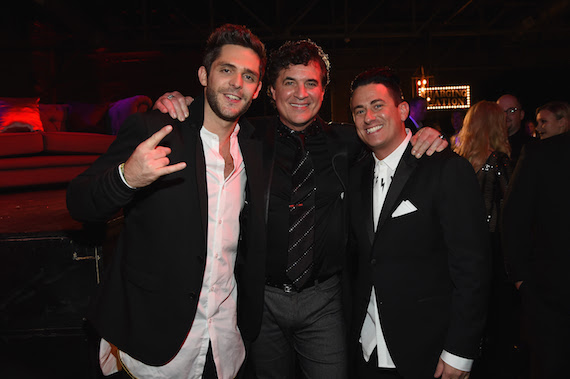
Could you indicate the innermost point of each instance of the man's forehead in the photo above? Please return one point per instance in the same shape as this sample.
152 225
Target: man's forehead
371 92
311 69
237 55
508 101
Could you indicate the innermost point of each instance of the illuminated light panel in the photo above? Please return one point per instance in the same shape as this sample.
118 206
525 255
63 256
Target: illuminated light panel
452 102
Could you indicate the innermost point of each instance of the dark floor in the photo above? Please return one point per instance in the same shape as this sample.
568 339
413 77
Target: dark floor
48 273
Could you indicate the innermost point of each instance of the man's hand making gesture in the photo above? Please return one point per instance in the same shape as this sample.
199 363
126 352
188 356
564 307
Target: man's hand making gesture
150 161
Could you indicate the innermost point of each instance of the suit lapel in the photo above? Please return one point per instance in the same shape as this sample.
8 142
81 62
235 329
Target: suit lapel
367 178
251 150
191 130
202 186
403 172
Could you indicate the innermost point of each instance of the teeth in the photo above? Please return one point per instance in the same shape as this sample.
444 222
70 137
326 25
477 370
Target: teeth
374 129
299 105
233 97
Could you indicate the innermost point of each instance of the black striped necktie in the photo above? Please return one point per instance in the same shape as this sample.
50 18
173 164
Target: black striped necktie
301 218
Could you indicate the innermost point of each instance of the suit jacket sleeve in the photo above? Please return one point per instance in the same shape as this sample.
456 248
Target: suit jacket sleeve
99 193
466 235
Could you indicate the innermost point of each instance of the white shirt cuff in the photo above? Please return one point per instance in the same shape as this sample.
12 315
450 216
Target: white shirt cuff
123 178
457 362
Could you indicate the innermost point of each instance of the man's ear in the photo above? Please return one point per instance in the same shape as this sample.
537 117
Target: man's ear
203 76
522 114
272 91
404 109
256 93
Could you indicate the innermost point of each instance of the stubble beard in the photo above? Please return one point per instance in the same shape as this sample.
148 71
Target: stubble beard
217 109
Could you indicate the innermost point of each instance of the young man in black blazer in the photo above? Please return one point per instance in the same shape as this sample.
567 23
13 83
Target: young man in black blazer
420 247
183 294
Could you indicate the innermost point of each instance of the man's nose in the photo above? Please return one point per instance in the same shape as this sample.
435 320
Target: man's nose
301 92
369 116
237 81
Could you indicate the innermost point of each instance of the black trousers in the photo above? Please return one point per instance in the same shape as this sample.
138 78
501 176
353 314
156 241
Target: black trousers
549 332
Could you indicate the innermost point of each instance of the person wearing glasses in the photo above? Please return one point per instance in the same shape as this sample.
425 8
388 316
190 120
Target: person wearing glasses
515 115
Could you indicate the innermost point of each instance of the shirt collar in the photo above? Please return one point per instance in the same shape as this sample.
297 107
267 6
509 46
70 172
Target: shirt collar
393 159
311 130
205 133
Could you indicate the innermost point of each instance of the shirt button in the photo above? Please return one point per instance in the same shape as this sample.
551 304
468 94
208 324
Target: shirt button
373 262
220 222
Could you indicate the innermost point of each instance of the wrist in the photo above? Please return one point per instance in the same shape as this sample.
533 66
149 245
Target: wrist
122 175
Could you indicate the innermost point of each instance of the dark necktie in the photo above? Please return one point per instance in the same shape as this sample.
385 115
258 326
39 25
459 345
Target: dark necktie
301 218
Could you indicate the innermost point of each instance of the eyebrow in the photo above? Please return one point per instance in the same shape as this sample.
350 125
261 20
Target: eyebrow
375 101
296 80
246 70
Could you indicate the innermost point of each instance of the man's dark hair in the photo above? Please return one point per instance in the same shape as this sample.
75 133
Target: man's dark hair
294 53
380 75
230 34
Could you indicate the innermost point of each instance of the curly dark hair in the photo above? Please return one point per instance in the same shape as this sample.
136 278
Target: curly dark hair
230 34
294 53
380 75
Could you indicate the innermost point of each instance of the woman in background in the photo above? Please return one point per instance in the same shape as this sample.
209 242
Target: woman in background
552 119
484 142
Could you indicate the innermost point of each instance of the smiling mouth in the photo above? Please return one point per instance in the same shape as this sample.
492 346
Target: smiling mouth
299 105
374 129
232 97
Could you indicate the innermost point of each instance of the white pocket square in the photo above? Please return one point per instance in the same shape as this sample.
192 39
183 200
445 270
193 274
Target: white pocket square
404 208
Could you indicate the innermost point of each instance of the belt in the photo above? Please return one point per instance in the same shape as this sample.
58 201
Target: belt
290 288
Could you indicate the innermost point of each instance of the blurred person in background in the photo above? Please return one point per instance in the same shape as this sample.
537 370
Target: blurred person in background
514 112
484 142
552 119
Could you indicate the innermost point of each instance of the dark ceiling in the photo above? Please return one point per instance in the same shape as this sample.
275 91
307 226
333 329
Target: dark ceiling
482 41
340 24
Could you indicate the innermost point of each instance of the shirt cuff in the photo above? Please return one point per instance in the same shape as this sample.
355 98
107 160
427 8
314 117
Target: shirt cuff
457 362
122 175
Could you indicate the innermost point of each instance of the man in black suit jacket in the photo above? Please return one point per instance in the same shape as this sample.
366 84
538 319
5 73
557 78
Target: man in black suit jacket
184 290
420 245
535 239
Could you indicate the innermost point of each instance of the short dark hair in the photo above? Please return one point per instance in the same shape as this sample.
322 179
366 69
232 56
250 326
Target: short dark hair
294 53
380 75
230 34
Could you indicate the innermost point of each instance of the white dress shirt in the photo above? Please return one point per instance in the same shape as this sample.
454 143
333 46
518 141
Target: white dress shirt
371 335
216 315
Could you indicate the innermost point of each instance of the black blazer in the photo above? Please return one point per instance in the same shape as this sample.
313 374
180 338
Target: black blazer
430 268
536 226
343 146
147 300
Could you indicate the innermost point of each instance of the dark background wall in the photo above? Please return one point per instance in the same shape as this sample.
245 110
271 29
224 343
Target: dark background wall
96 51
